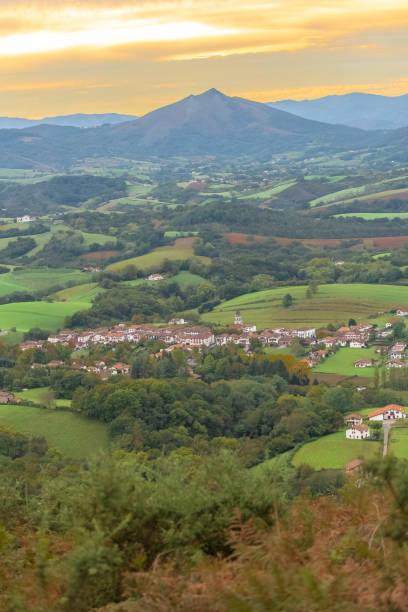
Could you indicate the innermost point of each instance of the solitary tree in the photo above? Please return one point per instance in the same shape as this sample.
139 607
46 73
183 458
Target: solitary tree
287 301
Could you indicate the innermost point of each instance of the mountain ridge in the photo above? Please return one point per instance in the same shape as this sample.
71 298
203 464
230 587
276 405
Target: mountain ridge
207 124
356 109
82 120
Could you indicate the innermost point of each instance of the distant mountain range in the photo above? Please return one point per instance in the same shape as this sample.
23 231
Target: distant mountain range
79 120
209 124
365 111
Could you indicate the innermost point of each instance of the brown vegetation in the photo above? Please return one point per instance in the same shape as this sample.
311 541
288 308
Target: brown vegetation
234 238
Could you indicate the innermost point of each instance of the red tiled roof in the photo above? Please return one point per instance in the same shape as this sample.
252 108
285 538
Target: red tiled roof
393 407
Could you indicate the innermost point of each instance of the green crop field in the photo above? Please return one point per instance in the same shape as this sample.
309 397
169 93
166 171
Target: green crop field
270 192
80 293
399 442
34 395
376 215
47 315
36 279
334 451
338 196
182 249
381 255
333 304
342 362
72 434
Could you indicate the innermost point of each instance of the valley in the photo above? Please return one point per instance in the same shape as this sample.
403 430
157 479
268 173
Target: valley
210 310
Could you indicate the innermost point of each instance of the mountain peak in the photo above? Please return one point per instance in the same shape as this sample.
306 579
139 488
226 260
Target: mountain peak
213 92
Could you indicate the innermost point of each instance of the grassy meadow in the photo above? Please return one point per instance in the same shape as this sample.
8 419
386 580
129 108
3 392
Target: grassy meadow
186 279
47 315
399 442
332 304
38 279
70 433
84 293
181 249
34 395
334 451
342 362
368 216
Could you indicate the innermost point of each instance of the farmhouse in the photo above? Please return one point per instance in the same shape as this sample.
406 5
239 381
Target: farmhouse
8 398
354 419
397 351
25 219
363 363
402 312
357 344
388 413
30 344
155 277
121 368
394 363
358 432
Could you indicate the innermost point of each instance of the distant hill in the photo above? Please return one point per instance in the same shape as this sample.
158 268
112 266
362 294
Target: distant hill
80 120
365 111
60 191
209 124
215 124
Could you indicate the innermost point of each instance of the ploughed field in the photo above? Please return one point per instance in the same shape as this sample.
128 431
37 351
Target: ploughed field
332 304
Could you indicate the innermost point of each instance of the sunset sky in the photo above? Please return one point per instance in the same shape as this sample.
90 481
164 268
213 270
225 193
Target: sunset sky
60 57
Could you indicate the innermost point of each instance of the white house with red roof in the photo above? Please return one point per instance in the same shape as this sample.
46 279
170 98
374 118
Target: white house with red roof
358 432
388 413
354 419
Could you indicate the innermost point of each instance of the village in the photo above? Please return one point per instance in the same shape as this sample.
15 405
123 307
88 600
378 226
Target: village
179 334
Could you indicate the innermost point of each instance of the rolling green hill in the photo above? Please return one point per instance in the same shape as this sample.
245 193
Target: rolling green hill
333 303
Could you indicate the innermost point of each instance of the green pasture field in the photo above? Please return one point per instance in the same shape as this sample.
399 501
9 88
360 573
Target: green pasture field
35 279
176 234
342 362
375 215
34 395
336 196
186 279
274 350
368 196
47 315
399 442
42 239
80 293
381 255
153 261
328 177
72 434
276 462
270 192
335 451
333 304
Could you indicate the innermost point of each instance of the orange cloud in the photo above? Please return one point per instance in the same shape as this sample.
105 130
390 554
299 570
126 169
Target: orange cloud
258 27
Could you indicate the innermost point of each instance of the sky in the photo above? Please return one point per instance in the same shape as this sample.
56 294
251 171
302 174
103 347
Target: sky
98 56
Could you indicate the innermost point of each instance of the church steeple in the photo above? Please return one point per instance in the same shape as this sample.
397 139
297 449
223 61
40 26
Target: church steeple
238 318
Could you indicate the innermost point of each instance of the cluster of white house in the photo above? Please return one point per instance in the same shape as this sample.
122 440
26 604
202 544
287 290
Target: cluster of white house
357 430
396 354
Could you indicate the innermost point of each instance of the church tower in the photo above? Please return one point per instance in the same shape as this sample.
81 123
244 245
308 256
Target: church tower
238 318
